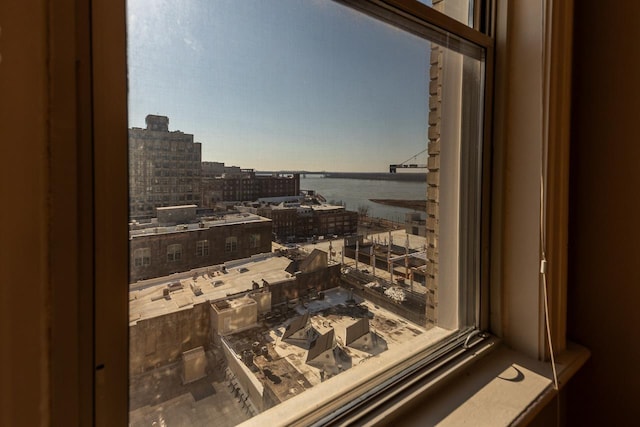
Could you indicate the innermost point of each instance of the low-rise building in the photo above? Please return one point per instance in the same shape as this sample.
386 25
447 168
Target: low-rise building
294 221
172 314
159 248
259 324
222 184
415 224
217 169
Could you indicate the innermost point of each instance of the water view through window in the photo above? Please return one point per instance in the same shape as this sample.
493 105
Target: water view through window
287 210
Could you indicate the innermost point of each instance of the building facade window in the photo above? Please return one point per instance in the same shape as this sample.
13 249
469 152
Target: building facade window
174 252
142 257
254 240
202 248
231 244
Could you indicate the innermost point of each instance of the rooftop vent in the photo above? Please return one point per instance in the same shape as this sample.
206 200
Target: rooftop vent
196 289
174 286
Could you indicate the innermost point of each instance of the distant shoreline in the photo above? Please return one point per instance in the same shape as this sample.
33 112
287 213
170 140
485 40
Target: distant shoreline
379 176
373 176
417 205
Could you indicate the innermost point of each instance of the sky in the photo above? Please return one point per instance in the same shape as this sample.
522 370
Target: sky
280 85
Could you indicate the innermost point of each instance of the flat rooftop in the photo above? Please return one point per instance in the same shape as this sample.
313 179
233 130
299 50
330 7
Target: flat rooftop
306 206
240 218
280 199
147 299
325 207
175 208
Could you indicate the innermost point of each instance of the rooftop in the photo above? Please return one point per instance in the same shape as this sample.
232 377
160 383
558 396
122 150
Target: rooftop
168 294
173 208
340 318
240 218
325 207
230 304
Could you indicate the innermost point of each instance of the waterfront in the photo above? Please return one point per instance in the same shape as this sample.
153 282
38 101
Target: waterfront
357 192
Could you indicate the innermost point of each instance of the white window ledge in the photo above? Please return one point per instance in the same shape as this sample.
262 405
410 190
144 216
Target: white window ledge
502 388
488 385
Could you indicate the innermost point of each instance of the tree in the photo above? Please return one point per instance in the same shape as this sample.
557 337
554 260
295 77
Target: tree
363 211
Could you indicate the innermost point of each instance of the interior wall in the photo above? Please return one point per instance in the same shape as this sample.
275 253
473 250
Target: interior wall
604 276
604 236
24 270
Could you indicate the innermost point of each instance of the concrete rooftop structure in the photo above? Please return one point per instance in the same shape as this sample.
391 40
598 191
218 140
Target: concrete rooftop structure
240 218
345 332
332 317
147 299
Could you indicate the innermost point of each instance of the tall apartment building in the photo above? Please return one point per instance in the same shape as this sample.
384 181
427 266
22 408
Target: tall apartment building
454 126
164 168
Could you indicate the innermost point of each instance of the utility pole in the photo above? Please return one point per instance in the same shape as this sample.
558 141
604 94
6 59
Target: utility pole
372 259
357 250
406 259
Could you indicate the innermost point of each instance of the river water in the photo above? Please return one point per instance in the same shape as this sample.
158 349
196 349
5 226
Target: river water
357 192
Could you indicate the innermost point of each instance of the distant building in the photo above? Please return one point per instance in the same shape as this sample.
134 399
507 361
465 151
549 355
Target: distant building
218 169
415 224
221 184
178 241
292 221
164 168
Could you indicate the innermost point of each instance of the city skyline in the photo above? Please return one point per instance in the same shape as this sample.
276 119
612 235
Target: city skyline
310 87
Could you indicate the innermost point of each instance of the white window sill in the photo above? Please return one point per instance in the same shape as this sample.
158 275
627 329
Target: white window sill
488 386
502 388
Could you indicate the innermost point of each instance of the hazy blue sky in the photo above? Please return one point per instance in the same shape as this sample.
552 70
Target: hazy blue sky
286 84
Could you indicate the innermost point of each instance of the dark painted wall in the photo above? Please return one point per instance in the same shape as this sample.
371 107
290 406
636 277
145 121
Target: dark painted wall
604 240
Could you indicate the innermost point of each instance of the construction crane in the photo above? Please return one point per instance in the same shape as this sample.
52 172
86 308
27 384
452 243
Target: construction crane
405 165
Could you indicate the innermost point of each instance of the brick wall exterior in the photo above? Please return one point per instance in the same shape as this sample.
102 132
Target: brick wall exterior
319 280
158 245
247 187
433 177
291 222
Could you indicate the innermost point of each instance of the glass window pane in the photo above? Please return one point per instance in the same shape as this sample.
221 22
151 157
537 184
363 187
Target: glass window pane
304 200
460 10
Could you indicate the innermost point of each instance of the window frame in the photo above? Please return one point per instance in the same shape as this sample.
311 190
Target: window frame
174 252
110 210
202 248
254 240
107 111
423 21
231 244
142 257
